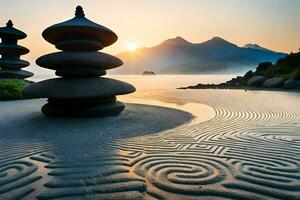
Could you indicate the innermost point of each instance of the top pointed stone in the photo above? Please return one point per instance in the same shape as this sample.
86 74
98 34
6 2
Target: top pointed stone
79 12
9 23
78 29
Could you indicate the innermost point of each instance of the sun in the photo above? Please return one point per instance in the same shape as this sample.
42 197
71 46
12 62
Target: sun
131 47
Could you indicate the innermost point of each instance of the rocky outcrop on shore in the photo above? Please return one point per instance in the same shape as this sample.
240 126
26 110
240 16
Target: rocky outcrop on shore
285 74
148 73
256 81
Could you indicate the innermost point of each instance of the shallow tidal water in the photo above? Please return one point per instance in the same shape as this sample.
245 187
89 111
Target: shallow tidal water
167 144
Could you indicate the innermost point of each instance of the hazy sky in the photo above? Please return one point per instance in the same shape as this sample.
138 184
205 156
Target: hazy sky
274 24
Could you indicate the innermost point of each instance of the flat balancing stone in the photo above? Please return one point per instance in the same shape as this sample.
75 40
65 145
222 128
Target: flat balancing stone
88 110
83 28
9 49
7 63
86 72
21 74
78 88
78 59
79 45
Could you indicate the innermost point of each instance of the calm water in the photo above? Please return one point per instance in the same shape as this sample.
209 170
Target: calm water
160 81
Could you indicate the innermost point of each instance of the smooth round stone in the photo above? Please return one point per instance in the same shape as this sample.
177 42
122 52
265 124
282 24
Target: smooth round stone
79 27
78 60
13 63
82 102
79 45
21 74
273 82
291 84
65 110
256 81
12 33
77 88
13 49
89 72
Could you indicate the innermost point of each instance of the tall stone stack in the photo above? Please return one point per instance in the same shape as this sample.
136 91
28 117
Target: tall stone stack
10 51
80 92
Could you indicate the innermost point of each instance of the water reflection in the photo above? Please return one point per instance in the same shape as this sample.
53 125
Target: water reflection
162 82
201 112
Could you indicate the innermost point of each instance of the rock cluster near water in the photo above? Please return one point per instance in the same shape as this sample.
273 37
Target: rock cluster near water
148 73
80 91
285 74
10 51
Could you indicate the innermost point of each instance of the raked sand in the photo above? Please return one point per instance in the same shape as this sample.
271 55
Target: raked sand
192 144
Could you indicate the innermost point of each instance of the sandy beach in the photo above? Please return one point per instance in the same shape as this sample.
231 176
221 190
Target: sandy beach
205 144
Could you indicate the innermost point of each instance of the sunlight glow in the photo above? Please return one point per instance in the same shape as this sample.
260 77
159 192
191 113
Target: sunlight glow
131 47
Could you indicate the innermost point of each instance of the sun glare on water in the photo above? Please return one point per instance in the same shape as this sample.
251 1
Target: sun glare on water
131 47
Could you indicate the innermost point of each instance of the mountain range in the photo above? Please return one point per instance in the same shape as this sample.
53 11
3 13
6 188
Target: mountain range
178 56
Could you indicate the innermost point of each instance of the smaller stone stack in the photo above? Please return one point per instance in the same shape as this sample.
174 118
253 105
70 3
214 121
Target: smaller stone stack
10 51
80 92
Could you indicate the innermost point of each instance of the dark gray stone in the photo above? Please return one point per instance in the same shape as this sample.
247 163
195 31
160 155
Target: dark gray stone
100 110
78 60
20 74
87 72
10 63
239 80
71 88
80 45
275 82
256 81
12 50
83 28
13 64
248 75
262 67
292 84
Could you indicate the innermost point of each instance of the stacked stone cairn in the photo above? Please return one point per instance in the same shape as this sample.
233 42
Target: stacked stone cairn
80 92
10 51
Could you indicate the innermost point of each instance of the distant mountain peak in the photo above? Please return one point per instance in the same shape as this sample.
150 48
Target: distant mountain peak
219 42
216 38
179 38
256 46
252 46
177 41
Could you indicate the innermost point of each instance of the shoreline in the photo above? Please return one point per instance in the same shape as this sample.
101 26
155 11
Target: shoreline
216 87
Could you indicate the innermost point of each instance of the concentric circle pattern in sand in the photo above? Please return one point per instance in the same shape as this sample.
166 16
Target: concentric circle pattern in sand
239 154
244 152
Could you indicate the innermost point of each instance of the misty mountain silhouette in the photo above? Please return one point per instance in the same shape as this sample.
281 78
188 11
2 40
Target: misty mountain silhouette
176 41
178 56
256 46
